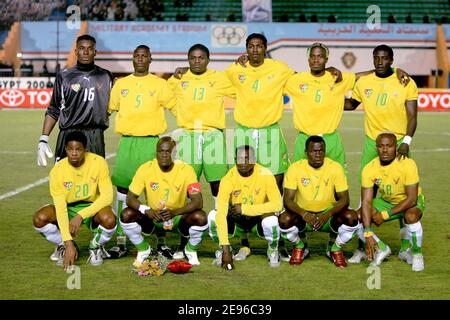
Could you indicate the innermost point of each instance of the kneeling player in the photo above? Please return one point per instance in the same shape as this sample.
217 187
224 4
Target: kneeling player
82 193
316 199
167 186
400 198
247 201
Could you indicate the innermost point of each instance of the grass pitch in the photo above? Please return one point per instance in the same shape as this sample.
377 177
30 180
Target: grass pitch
27 273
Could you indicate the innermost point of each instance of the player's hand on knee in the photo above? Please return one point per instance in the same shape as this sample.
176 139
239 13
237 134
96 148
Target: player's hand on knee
155 215
236 209
322 218
377 219
44 151
310 218
74 225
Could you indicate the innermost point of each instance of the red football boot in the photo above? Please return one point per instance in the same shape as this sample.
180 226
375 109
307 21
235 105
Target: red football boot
297 256
338 259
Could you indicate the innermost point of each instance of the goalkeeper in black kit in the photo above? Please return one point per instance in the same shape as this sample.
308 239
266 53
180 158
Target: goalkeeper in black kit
79 103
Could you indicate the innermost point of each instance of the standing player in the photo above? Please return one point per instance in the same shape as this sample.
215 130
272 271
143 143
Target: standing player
388 106
248 200
400 198
80 100
200 113
316 199
82 193
259 105
167 185
139 100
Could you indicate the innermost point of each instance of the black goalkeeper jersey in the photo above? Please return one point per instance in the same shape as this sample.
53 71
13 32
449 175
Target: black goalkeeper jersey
80 98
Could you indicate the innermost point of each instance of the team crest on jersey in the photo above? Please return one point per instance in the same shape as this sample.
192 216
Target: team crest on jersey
75 87
68 185
305 181
368 92
242 78
377 181
154 186
184 84
303 87
124 92
236 193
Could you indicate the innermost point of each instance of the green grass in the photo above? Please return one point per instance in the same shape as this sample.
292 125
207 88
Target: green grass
27 273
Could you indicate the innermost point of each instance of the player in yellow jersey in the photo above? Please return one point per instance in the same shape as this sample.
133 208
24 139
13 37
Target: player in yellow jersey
82 193
139 100
167 186
200 113
316 199
400 197
248 200
388 106
259 105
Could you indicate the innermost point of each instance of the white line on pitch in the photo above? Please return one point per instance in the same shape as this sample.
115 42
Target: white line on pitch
36 183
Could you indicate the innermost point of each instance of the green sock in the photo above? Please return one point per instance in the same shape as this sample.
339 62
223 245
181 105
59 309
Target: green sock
415 248
143 246
381 245
404 245
299 245
335 247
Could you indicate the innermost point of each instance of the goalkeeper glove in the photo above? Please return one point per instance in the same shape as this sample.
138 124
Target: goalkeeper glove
43 151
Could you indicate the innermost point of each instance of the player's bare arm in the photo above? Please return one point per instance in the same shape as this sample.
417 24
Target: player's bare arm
367 198
411 114
180 71
70 254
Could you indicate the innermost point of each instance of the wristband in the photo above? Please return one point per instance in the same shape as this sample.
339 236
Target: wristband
386 214
368 234
407 140
43 138
142 208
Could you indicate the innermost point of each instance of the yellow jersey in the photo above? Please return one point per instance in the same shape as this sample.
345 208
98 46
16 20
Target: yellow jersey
89 182
318 102
315 188
165 189
259 92
392 179
140 102
199 99
258 194
384 101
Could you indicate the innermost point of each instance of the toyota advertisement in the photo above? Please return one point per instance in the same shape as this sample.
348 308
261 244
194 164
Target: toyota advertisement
19 98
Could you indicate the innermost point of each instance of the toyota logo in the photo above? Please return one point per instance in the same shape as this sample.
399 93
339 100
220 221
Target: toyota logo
228 35
12 98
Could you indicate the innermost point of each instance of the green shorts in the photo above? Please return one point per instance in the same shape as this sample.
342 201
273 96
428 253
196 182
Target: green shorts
380 205
204 151
74 208
370 152
131 154
269 144
238 226
334 149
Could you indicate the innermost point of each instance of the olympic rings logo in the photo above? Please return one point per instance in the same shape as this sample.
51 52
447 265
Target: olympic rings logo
226 35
